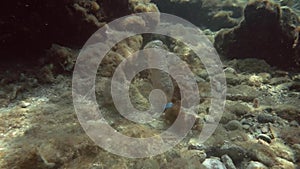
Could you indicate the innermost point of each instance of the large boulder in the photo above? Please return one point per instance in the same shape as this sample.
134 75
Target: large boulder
28 27
267 31
211 14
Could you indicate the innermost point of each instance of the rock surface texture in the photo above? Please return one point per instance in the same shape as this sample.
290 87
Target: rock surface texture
268 32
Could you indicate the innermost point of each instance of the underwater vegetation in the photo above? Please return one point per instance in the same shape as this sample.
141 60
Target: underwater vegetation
258 42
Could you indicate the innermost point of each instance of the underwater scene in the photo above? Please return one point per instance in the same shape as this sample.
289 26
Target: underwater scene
150 84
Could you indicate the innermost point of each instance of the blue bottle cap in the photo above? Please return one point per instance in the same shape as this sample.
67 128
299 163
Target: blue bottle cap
169 105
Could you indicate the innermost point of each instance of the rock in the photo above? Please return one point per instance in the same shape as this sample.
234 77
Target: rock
294 123
195 145
235 152
232 79
70 18
138 100
255 80
200 155
283 163
296 150
63 58
290 135
46 74
262 153
48 155
256 8
213 163
279 80
230 70
265 77
283 151
246 126
203 74
237 108
233 125
228 162
204 90
227 116
24 104
60 22
256 165
265 118
127 47
271 37
160 79
251 65
242 92
296 77
172 155
295 86
211 14
110 63
292 86
264 129
146 6
223 19
288 112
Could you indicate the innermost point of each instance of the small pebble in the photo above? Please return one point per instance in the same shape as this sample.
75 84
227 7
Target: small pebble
264 129
189 154
195 145
246 126
256 165
265 118
24 104
230 70
294 123
213 163
228 162
233 125
268 109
